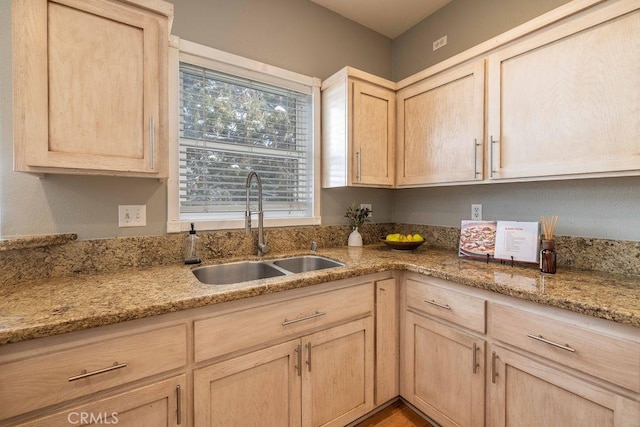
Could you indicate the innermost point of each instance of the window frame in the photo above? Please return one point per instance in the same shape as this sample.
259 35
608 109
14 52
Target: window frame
204 56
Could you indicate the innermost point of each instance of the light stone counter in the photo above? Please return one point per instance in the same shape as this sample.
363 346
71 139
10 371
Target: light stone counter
53 306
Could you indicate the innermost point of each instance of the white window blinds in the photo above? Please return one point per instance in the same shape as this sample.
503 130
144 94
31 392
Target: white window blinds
231 125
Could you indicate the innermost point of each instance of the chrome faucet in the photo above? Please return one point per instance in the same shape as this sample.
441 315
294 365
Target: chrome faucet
262 244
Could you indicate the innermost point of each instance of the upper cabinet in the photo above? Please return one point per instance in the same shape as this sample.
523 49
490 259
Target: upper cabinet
566 101
90 86
358 130
441 128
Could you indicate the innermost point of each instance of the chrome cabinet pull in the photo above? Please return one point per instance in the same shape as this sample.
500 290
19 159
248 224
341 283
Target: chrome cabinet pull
475 357
437 304
494 371
309 355
178 405
85 374
359 165
152 160
493 141
300 319
475 158
555 344
299 360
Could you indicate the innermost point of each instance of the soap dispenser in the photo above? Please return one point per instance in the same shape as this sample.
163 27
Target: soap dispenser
192 247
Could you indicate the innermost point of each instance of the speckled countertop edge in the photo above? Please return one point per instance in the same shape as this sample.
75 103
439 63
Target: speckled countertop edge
48 307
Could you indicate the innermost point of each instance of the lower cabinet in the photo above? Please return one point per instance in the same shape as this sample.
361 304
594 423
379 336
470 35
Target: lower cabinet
321 379
158 404
526 391
444 372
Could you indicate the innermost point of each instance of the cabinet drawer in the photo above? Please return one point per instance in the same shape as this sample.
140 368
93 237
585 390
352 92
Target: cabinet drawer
462 309
611 358
219 335
41 381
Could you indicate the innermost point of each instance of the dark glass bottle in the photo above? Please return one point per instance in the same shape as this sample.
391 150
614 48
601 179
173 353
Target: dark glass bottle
548 256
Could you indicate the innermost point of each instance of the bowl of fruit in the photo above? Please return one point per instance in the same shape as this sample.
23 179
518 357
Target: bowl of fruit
403 242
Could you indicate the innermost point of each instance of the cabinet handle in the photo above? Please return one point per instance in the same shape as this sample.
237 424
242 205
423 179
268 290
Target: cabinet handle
494 371
437 304
359 165
555 344
300 319
475 357
152 160
85 374
299 358
178 405
493 141
309 355
475 158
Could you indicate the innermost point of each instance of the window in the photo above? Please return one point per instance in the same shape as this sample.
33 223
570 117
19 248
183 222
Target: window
232 119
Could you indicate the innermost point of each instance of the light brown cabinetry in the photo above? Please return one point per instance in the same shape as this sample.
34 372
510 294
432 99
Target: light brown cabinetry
524 388
387 340
443 365
90 82
565 101
159 404
321 375
553 355
87 368
358 130
441 128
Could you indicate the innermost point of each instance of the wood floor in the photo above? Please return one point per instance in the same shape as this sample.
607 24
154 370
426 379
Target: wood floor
395 415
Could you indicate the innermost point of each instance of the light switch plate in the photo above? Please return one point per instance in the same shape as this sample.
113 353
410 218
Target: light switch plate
132 215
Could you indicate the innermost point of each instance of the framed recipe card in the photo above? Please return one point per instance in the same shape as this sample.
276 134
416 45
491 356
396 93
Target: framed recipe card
517 241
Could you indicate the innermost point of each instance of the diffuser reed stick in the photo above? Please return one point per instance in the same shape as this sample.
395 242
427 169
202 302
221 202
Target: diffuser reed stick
548 226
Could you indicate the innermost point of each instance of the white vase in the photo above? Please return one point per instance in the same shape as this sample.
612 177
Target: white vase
355 239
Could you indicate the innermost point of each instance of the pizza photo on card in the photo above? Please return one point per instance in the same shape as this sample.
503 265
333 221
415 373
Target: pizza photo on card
477 238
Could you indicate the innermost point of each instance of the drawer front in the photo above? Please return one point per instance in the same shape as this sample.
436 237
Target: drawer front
219 335
462 309
45 380
607 357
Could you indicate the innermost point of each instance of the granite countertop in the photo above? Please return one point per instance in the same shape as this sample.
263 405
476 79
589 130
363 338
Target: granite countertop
47 307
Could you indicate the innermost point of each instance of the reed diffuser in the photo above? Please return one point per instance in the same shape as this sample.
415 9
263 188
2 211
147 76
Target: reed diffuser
548 251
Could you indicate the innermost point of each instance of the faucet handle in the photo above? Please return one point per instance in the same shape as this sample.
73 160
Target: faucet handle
314 246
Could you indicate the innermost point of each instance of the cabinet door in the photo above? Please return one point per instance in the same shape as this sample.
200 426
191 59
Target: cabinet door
90 87
566 101
444 372
524 391
338 374
441 128
159 404
260 388
373 134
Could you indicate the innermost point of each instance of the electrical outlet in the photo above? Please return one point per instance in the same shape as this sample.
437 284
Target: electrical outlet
476 212
367 205
132 215
440 42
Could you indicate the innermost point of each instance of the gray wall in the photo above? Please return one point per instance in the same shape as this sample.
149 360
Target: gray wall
466 23
292 34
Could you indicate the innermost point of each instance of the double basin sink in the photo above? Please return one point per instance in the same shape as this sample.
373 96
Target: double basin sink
244 271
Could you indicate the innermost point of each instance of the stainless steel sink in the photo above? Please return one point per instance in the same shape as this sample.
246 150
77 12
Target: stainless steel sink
301 264
245 271
236 272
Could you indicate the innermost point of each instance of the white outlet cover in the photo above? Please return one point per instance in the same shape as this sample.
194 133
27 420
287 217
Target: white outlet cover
367 205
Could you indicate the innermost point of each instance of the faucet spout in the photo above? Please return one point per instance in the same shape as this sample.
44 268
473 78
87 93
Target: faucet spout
262 244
